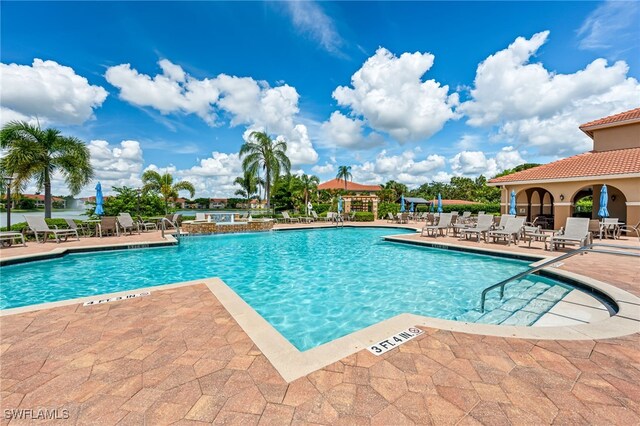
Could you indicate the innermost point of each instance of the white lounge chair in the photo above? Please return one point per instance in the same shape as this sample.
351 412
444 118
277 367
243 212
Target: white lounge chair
201 217
288 219
484 224
315 216
630 229
503 221
82 228
440 228
10 237
127 223
511 231
576 232
37 225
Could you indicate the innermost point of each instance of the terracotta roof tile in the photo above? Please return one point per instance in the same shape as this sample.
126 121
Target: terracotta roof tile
620 161
623 116
351 186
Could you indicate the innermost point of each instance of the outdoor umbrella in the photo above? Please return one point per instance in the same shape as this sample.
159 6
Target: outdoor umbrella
402 204
439 203
411 207
431 206
339 204
512 203
604 197
99 210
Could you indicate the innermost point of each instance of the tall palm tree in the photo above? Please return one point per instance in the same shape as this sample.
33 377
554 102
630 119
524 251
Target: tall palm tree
163 184
344 173
248 183
308 184
34 153
260 152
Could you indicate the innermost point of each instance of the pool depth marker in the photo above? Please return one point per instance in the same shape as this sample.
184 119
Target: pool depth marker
116 298
395 340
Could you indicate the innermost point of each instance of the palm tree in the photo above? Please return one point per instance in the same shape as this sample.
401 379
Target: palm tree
248 183
260 152
344 172
163 184
308 184
34 153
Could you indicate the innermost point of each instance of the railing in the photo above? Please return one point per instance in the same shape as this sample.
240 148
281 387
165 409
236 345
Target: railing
174 224
581 251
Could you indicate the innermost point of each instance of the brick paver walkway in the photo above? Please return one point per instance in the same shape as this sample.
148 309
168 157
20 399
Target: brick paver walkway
178 355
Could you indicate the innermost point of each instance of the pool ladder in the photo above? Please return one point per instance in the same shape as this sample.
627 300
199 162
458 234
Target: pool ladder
581 251
174 224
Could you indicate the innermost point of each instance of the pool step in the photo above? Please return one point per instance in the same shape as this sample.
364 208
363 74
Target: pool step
523 303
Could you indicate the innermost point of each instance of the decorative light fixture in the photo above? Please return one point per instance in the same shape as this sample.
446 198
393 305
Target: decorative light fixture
613 197
561 197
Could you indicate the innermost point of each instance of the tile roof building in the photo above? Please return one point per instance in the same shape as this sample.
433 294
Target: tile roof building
552 189
335 184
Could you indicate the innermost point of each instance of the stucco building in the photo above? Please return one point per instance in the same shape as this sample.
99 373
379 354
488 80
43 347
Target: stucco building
553 189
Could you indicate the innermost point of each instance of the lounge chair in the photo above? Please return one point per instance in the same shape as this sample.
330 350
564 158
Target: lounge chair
534 233
480 212
126 222
37 225
576 232
329 216
390 218
147 225
82 227
630 229
440 228
315 216
511 231
503 221
466 216
108 225
201 217
7 238
484 224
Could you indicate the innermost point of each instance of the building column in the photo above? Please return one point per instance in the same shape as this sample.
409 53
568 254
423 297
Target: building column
561 211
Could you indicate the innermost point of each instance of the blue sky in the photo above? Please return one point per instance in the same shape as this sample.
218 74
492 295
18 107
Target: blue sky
414 91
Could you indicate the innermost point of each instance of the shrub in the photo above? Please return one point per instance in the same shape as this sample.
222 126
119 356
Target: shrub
321 207
363 217
489 208
384 208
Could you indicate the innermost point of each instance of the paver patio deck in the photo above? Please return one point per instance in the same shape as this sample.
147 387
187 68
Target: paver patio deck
178 356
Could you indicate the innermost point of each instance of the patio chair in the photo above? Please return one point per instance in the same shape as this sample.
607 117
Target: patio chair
289 219
483 225
511 231
171 223
630 229
480 212
7 238
126 222
108 225
609 227
576 232
594 229
143 224
38 225
533 233
466 216
329 216
390 218
315 216
201 217
440 228
177 218
81 228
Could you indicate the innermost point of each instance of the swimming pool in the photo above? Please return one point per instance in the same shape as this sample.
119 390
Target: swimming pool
313 286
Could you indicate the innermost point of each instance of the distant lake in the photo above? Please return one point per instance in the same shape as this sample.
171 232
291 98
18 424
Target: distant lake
19 217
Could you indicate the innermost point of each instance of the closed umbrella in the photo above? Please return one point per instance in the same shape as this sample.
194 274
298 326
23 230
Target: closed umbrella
99 210
411 207
339 204
439 203
512 203
431 206
402 204
604 198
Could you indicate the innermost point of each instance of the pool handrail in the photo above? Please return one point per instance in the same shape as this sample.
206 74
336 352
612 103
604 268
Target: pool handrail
580 250
174 224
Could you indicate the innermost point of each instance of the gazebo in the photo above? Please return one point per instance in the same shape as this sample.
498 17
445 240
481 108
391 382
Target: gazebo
364 199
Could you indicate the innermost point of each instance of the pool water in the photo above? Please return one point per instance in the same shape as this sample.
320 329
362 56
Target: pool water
313 286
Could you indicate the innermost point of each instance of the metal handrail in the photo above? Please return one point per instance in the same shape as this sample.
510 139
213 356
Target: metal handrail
174 224
581 251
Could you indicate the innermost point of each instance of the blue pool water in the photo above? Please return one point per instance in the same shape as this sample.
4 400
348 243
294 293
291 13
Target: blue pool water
312 286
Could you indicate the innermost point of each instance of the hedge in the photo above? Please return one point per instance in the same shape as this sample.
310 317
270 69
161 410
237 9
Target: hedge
384 208
363 217
321 207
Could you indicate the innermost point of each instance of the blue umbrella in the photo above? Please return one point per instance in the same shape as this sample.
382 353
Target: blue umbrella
604 197
339 204
512 203
402 204
439 203
431 206
99 210
411 207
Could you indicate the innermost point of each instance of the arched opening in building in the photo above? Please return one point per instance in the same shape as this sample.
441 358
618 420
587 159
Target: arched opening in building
616 202
538 204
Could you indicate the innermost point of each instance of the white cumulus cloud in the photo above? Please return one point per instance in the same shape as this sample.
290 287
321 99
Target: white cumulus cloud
346 132
116 165
52 92
540 108
408 167
390 94
475 163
